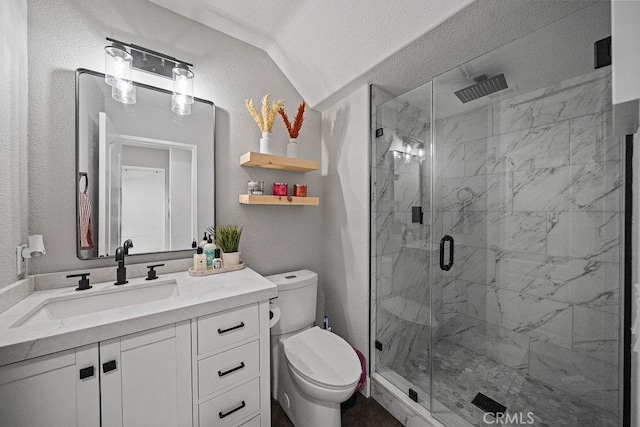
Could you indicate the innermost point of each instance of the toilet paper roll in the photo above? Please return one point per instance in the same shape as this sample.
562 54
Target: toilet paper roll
276 314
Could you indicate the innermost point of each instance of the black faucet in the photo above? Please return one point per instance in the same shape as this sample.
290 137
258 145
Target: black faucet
121 251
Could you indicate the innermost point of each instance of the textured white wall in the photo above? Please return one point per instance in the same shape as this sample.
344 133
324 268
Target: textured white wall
345 212
69 34
13 134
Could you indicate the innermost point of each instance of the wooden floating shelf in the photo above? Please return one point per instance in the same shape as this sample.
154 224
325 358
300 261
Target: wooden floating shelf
253 199
269 161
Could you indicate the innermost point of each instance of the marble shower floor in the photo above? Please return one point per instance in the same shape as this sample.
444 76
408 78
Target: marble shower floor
460 374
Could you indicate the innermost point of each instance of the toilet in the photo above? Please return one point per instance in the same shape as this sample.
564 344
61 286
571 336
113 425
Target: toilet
312 370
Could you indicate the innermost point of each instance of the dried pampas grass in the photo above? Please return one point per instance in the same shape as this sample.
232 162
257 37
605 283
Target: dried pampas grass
269 111
294 130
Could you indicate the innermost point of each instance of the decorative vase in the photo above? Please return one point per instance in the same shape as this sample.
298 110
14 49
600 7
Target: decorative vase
265 147
230 259
292 148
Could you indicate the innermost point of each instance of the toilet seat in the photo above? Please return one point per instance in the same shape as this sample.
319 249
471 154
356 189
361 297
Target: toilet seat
323 359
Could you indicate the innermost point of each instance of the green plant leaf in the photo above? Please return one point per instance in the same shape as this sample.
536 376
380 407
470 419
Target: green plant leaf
227 237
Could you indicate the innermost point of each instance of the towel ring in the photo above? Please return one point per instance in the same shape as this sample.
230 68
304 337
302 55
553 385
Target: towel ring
84 175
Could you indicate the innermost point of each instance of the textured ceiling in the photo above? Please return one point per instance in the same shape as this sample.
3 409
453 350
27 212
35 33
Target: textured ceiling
328 48
321 45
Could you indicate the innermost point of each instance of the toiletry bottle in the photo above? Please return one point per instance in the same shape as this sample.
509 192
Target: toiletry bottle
199 260
217 261
209 252
194 244
203 241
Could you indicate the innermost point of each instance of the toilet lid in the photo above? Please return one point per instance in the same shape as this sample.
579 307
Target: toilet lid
323 357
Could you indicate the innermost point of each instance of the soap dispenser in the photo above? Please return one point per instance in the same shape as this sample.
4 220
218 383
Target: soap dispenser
199 260
203 241
209 253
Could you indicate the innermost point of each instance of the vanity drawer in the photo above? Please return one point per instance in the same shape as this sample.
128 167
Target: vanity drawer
221 329
224 369
253 422
232 406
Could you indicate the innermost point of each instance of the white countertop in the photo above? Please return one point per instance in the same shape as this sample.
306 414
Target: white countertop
198 296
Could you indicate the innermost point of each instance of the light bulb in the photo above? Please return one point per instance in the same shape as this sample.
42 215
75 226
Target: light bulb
180 105
124 91
117 64
182 90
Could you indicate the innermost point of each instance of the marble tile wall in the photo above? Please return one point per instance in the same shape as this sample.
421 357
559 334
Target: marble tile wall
530 189
400 248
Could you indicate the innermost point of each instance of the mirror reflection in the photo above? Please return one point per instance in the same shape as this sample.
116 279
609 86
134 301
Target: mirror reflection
143 172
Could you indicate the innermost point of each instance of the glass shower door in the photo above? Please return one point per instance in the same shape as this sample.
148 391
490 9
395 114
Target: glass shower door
527 181
401 256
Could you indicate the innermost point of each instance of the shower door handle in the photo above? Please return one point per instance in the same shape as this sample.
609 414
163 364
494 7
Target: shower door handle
443 241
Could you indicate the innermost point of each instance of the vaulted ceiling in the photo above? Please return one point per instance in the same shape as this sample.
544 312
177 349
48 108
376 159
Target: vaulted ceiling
321 45
326 46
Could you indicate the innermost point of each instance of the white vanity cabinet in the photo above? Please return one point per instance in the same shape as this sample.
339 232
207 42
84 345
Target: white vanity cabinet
145 378
212 370
60 389
135 380
231 367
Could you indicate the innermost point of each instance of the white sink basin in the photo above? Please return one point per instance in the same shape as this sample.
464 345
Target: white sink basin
59 308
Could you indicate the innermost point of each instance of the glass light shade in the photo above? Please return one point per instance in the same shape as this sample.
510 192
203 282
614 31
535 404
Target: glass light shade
183 84
180 106
124 91
117 64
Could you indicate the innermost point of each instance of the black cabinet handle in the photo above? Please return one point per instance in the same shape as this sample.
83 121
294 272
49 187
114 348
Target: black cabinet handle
222 331
242 405
86 372
443 241
109 366
222 374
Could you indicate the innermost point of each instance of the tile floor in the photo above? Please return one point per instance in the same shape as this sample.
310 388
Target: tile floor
365 413
459 374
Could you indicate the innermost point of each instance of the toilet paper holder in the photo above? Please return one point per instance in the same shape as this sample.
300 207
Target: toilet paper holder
274 314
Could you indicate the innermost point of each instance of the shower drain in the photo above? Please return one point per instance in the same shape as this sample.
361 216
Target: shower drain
488 405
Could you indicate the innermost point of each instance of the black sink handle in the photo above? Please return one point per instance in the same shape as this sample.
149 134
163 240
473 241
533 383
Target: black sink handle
83 283
151 274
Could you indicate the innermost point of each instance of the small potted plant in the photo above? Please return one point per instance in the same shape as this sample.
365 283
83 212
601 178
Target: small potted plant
264 121
293 129
228 239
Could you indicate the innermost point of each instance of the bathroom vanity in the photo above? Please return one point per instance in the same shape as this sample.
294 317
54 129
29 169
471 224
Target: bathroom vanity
177 351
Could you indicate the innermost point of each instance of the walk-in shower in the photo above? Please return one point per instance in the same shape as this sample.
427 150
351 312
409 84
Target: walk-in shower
497 236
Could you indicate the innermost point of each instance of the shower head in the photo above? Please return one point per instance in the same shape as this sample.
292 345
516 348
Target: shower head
484 87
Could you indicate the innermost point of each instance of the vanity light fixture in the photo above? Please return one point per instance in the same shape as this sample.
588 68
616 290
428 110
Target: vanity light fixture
121 57
117 73
411 148
182 90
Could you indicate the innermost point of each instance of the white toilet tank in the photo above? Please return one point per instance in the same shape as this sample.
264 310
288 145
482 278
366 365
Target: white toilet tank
297 296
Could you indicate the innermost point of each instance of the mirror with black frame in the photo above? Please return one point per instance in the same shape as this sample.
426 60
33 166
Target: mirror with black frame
143 172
